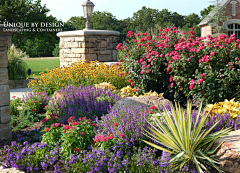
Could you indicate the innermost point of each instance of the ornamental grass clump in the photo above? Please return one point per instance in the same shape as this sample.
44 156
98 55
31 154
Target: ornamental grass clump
79 73
225 120
181 66
83 101
187 142
16 65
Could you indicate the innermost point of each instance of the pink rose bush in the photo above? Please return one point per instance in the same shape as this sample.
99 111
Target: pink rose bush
183 66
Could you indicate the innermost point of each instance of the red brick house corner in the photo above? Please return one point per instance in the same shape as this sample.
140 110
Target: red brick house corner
232 9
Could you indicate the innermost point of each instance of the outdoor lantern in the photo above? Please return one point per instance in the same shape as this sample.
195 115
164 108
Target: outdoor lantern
29 71
88 10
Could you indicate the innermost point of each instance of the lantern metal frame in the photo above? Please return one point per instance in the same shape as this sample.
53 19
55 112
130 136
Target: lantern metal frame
88 10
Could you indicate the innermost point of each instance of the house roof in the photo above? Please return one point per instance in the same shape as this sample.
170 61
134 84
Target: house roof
206 20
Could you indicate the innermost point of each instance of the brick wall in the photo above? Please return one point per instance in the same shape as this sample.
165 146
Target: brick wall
206 30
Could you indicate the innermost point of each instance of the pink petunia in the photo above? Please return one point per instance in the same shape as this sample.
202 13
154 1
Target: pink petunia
46 129
121 135
115 124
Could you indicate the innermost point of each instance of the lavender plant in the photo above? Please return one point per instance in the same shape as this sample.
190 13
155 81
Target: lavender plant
84 101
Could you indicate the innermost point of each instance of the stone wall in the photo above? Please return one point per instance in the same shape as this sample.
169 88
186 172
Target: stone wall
5 118
89 45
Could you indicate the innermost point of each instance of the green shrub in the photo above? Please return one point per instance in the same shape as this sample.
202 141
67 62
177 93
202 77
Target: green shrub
56 50
16 65
15 106
26 118
182 66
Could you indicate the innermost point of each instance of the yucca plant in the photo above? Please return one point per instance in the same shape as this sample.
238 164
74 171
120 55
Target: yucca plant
187 142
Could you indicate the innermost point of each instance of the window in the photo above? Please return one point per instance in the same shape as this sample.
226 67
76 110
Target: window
234 28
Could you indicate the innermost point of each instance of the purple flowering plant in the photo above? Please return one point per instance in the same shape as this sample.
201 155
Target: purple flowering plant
127 122
36 101
83 101
31 158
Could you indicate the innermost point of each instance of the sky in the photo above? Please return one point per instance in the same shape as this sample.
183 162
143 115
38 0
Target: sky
122 9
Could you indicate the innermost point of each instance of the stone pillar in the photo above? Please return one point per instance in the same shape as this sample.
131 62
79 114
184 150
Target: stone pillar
89 45
5 118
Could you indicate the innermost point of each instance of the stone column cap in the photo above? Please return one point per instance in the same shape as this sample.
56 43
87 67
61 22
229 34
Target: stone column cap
8 32
77 33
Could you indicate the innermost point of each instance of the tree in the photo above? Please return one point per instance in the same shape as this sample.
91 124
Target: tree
26 11
191 21
103 21
75 23
206 11
100 21
144 19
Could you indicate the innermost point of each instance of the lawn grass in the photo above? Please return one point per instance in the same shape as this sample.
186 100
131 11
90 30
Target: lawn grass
38 65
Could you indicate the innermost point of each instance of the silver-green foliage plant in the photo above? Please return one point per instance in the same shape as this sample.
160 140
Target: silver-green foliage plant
16 65
187 141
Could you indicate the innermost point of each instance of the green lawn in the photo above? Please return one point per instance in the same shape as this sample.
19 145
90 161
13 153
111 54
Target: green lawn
38 65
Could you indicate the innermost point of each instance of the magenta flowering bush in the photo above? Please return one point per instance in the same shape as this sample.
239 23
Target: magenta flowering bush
183 66
206 70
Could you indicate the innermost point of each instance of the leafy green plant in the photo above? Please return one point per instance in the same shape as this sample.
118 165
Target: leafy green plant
186 141
75 136
26 118
56 50
15 106
16 65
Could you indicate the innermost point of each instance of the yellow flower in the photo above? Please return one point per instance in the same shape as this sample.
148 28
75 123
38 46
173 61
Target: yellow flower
231 107
150 93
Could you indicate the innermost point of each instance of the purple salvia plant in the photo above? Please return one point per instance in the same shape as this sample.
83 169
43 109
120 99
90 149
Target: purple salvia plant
131 122
84 101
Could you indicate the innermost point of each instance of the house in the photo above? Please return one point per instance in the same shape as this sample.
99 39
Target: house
231 9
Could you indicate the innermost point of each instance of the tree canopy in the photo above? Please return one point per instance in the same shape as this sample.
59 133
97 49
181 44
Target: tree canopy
38 44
